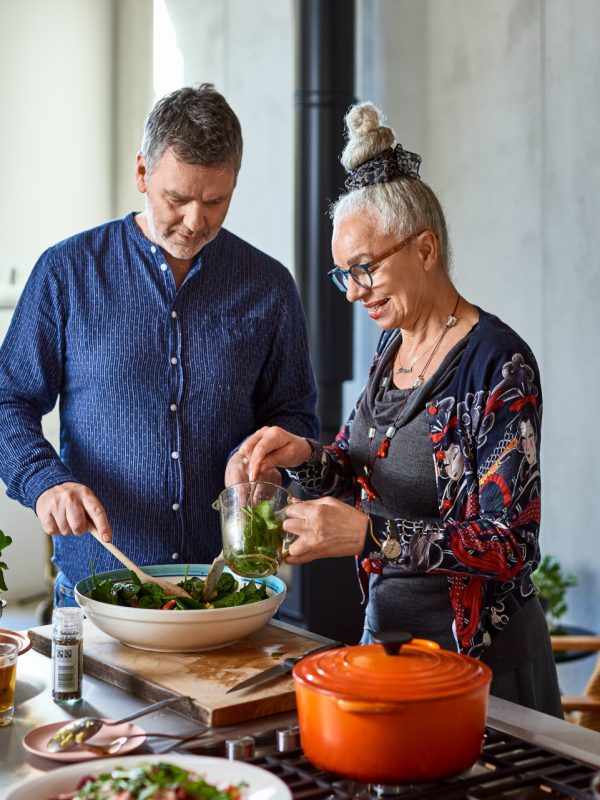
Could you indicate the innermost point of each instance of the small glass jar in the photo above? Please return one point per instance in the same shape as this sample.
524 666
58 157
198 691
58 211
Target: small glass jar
67 654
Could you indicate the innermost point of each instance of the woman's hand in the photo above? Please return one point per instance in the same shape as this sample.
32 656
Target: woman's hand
273 447
237 472
325 528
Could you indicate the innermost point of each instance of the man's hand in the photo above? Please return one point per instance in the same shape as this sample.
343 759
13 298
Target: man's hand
237 472
70 508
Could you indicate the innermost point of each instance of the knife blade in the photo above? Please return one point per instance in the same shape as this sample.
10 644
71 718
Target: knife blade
279 669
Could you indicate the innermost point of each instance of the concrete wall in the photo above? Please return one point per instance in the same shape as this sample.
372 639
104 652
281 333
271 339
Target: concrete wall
501 100
246 48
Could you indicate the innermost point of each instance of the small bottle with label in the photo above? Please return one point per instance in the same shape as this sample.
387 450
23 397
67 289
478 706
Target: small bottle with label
67 654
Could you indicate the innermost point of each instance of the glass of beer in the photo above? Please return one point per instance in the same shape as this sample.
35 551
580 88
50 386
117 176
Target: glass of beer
8 681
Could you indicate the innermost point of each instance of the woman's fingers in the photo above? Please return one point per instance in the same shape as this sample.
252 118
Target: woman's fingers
273 447
325 528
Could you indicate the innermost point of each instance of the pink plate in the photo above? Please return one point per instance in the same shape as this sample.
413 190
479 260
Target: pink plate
16 637
35 741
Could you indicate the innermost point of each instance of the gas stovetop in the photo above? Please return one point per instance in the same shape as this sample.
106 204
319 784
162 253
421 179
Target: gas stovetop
508 768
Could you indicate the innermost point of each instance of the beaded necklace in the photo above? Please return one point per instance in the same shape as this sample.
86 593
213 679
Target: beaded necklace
367 491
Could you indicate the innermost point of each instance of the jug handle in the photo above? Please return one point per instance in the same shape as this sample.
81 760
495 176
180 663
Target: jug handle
216 505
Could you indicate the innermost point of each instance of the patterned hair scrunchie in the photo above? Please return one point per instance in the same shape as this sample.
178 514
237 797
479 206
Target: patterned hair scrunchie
391 164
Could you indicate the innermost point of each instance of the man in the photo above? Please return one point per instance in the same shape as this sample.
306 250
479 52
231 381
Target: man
168 340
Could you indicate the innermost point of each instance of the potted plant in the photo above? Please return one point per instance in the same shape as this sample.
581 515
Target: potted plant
552 583
4 542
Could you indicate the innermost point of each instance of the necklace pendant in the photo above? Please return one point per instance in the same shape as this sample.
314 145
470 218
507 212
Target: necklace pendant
451 321
391 548
383 449
372 431
390 432
367 492
404 371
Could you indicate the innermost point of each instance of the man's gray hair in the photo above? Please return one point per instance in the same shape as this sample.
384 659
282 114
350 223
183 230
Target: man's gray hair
200 126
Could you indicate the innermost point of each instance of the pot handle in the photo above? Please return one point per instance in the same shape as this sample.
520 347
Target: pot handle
361 707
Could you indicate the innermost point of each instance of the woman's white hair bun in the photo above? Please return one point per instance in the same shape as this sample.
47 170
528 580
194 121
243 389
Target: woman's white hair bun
367 137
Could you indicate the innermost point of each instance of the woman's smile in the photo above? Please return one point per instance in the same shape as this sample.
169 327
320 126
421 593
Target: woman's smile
375 308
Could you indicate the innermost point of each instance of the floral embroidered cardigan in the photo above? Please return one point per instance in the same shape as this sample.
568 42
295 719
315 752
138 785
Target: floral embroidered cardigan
487 423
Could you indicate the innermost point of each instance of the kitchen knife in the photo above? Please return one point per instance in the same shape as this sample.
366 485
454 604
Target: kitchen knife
279 669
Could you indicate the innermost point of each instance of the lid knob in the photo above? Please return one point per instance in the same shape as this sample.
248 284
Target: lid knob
393 641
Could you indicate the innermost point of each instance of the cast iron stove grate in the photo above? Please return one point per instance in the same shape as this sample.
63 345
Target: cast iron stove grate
508 768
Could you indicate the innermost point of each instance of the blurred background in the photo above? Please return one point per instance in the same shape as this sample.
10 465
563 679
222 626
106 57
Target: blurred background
501 101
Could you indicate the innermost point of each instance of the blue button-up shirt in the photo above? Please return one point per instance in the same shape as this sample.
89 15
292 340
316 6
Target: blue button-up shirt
157 385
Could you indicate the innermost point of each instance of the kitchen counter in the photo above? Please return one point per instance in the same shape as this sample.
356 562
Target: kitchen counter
35 707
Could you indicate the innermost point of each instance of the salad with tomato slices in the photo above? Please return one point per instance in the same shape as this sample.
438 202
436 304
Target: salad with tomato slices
161 781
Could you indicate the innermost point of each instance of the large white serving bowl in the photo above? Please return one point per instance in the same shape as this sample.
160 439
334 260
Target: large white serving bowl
186 631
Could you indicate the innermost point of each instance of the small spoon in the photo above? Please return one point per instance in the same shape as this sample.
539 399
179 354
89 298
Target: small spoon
77 731
111 748
166 586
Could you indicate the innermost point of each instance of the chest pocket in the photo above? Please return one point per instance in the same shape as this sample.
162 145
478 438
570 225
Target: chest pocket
226 350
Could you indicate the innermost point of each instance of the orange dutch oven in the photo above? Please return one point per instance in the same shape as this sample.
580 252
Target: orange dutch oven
403 711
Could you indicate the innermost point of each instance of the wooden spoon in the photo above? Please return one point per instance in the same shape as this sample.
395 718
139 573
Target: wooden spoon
166 586
212 578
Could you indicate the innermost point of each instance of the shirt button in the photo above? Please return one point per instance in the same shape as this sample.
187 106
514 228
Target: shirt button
175 556
173 407
175 506
153 249
175 454
164 267
174 314
174 360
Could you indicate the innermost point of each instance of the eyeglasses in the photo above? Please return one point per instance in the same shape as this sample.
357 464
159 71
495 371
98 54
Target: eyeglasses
362 274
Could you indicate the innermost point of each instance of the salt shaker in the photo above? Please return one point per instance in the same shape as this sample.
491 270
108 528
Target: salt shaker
67 654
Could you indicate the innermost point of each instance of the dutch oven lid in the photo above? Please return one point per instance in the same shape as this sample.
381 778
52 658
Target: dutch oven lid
399 668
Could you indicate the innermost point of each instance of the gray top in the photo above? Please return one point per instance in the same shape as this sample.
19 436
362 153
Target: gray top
406 488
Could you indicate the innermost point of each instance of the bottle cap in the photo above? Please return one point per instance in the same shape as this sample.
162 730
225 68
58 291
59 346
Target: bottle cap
67 621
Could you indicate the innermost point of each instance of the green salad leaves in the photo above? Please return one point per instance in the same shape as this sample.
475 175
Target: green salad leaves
154 780
134 593
262 527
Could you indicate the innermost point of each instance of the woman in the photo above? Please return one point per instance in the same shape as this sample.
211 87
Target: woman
446 495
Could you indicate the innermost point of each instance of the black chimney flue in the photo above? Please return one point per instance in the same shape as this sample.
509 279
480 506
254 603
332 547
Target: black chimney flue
325 91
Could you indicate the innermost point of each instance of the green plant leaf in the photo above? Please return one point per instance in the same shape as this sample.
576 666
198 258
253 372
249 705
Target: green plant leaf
4 542
552 583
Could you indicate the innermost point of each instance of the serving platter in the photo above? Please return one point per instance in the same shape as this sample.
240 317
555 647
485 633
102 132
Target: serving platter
260 784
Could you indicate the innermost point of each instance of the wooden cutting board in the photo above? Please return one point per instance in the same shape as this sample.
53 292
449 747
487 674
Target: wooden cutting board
204 676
